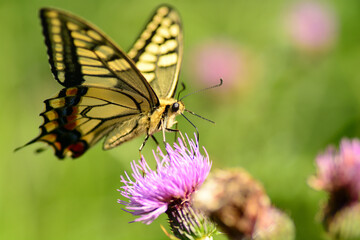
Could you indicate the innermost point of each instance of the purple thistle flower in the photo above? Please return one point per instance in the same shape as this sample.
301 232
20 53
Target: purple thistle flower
179 174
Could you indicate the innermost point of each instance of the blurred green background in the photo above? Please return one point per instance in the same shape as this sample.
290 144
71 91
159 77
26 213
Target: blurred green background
289 102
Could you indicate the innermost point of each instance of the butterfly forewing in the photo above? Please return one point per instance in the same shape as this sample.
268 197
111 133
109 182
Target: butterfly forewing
79 54
158 51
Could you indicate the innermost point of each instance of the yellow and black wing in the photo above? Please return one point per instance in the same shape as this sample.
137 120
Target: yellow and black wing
103 87
79 54
158 51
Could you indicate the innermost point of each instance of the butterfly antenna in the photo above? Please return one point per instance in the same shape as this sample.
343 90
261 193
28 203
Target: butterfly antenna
197 131
191 112
182 89
204 89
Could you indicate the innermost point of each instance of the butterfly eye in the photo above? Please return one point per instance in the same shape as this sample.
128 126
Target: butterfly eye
175 107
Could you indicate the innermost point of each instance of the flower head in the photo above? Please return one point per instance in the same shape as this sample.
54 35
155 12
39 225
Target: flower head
215 59
180 172
239 205
311 25
338 173
339 170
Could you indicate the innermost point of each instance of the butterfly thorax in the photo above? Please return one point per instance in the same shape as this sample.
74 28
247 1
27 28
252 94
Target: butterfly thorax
164 115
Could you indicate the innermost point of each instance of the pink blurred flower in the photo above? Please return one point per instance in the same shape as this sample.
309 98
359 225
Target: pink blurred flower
217 59
312 26
339 170
338 173
273 224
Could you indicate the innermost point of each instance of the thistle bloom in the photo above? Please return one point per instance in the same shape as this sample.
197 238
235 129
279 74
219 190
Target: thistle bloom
338 173
168 189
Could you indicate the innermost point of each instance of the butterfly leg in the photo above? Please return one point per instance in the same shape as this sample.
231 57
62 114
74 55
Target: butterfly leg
176 127
177 131
140 149
155 140
143 144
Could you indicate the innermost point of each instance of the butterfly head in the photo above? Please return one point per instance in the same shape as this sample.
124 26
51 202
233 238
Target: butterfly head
177 108
172 108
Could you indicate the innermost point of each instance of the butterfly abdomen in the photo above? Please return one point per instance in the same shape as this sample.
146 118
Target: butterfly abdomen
128 130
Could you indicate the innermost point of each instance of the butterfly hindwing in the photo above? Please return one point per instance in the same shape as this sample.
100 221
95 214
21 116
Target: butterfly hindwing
78 117
79 54
158 51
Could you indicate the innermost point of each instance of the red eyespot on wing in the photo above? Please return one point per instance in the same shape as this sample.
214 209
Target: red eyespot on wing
71 91
70 126
77 149
75 110
71 118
